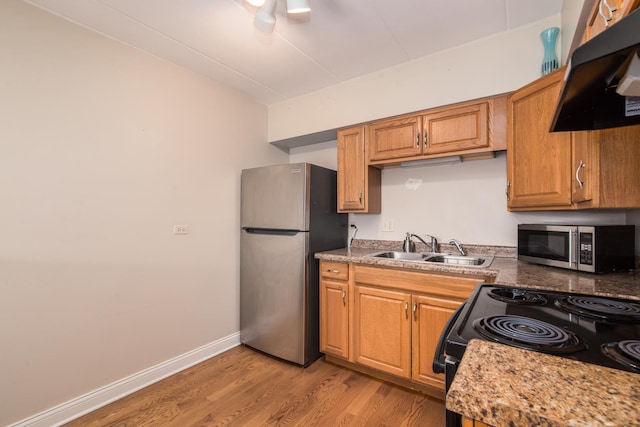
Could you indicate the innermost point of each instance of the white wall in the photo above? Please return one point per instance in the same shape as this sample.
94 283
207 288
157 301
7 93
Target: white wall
102 150
570 14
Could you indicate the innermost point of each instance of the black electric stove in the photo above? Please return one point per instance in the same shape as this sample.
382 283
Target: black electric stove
599 330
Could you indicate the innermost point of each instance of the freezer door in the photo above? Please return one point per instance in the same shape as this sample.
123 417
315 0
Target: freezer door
273 284
275 197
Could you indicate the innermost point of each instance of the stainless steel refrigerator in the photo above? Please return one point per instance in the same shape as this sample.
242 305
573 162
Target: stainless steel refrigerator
288 213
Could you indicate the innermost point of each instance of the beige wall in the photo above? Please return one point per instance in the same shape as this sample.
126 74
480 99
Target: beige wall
102 150
488 66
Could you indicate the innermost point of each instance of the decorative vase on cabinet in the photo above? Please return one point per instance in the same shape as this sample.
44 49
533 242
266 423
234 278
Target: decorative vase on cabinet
550 60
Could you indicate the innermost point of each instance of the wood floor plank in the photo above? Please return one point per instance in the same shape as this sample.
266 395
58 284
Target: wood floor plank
242 387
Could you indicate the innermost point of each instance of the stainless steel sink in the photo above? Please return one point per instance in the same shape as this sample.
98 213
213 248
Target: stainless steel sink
403 256
468 261
436 258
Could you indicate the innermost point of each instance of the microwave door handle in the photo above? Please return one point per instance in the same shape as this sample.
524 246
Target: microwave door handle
439 356
572 247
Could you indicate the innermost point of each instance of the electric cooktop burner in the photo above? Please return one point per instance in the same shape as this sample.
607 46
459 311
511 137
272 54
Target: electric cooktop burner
626 352
516 296
532 334
601 308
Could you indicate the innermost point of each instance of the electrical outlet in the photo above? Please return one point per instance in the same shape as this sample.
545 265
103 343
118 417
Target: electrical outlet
387 225
180 229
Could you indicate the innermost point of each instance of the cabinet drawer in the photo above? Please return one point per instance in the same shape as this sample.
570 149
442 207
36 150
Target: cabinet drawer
334 270
451 287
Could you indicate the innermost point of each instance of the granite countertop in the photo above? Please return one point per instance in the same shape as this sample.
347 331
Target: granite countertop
504 270
506 386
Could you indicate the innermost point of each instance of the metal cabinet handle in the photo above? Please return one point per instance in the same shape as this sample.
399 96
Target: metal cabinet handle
417 139
608 6
507 191
406 310
333 271
601 12
360 196
426 139
415 311
580 166
344 301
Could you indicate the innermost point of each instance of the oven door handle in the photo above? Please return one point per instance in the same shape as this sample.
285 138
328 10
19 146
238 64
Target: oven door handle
439 356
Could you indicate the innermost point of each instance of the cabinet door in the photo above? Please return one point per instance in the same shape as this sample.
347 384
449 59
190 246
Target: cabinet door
456 129
334 318
382 330
584 167
392 139
610 174
351 170
538 162
430 316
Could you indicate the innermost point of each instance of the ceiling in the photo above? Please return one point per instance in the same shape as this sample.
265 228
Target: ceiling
337 41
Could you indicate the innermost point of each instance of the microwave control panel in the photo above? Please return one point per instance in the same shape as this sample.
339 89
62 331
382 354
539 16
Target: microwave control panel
586 248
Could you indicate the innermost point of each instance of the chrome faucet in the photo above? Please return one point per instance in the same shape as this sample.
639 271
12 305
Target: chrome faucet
458 246
409 246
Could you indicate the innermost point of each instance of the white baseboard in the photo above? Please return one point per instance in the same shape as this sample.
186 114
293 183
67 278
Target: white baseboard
81 405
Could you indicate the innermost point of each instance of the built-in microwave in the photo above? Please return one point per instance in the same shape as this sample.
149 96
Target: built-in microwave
590 248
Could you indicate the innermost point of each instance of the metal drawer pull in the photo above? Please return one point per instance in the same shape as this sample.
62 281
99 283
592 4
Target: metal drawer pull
344 301
333 271
415 311
406 310
580 166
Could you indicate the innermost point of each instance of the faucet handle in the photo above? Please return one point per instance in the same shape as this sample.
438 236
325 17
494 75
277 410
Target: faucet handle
458 246
434 243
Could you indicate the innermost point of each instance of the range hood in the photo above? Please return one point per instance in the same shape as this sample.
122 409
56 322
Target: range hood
606 63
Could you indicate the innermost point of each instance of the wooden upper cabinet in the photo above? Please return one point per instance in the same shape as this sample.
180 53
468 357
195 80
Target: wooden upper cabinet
359 186
390 139
566 170
606 168
456 129
467 128
538 162
606 13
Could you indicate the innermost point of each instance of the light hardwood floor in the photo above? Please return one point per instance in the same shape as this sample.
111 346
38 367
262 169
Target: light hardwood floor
242 387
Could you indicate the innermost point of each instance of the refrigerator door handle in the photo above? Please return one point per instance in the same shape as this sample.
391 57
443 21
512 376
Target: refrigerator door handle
272 232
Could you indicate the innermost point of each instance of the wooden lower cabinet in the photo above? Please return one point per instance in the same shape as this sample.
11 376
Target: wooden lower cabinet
382 330
334 308
430 316
334 336
386 322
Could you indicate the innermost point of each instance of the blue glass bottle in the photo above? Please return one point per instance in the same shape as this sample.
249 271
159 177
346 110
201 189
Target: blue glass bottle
550 60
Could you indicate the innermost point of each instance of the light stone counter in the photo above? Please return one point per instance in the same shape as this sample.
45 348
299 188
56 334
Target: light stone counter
506 386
